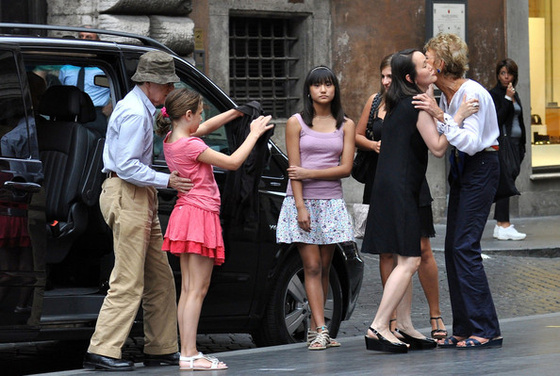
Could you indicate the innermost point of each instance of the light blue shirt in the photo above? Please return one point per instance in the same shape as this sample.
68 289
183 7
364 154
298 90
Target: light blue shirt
128 148
68 75
479 131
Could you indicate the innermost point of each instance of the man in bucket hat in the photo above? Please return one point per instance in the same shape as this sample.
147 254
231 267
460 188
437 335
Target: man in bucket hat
128 202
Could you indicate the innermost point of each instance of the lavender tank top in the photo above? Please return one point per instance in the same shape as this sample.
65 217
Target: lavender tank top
318 151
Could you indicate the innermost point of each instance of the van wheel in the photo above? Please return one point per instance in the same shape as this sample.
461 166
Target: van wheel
288 314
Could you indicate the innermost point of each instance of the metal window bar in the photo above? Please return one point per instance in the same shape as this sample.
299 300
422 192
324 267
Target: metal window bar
261 63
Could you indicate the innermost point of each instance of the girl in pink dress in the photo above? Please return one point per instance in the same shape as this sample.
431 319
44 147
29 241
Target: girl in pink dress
194 232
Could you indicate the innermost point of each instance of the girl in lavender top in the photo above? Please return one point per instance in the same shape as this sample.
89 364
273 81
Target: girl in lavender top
320 146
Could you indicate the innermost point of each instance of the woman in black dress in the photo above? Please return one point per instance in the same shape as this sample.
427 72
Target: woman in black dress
393 224
368 138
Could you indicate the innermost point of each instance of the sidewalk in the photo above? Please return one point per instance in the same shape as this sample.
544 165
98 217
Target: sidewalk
543 238
526 292
530 347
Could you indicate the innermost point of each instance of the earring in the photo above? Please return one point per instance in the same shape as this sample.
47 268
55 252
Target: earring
438 70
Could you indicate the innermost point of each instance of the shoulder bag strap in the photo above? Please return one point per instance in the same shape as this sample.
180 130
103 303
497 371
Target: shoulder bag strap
374 107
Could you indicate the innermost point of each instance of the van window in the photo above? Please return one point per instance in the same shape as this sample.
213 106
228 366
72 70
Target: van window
86 78
18 136
13 128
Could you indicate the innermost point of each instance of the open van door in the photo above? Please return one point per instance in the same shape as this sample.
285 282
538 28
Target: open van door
22 218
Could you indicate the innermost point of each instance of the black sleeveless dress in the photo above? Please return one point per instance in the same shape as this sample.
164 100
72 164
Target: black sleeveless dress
376 127
393 224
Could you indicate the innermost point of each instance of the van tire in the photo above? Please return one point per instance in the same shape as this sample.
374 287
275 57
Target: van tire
288 314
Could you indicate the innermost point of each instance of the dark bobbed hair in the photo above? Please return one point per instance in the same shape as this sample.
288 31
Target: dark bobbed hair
320 75
177 103
511 67
401 66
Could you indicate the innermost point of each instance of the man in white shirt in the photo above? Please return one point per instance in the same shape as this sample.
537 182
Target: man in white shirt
128 202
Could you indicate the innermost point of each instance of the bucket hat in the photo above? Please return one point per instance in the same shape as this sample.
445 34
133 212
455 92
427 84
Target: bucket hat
157 67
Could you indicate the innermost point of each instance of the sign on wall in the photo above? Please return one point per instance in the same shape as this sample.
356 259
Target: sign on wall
446 16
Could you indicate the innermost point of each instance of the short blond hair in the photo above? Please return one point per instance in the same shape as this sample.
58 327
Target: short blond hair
453 51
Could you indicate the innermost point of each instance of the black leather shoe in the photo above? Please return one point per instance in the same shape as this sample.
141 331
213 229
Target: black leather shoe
383 344
418 343
100 362
162 360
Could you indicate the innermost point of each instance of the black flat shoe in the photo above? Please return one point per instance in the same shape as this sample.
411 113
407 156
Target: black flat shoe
382 344
418 343
162 360
471 343
95 361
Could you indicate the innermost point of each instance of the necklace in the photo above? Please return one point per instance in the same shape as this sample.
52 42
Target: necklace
323 117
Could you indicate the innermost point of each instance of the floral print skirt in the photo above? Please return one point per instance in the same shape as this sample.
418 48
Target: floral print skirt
330 222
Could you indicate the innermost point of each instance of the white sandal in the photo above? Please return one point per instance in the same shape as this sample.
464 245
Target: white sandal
320 342
311 334
191 367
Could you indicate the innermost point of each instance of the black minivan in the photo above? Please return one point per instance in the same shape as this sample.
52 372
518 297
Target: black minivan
55 249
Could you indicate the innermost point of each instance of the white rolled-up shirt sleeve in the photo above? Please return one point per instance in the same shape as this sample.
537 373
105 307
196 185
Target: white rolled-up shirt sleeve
478 131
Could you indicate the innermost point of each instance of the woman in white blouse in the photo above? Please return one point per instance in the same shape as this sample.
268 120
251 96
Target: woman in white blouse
473 180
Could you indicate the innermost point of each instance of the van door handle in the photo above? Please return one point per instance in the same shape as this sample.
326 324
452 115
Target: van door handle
22 186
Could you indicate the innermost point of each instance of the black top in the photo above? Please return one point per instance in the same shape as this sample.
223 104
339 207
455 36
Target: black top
377 125
377 130
393 224
506 112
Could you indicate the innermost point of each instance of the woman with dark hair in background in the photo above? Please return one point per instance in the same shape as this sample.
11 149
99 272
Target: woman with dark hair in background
370 139
510 120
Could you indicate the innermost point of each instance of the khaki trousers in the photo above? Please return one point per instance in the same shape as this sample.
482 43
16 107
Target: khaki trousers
141 274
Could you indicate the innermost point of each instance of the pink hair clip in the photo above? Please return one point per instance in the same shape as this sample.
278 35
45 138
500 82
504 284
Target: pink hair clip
164 112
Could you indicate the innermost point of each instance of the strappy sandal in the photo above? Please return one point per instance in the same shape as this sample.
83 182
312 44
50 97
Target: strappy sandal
438 333
215 363
311 334
391 324
449 342
333 343
321 341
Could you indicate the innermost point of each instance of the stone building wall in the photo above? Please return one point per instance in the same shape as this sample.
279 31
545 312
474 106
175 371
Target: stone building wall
166 21
351 36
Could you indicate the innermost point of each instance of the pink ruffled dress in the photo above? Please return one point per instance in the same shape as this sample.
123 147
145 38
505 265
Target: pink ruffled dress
194 225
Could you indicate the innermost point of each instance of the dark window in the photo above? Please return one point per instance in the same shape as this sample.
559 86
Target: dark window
262 64
14 108
23 11
19 150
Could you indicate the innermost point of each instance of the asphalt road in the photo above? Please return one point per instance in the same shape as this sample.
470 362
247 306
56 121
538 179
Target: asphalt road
521 286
